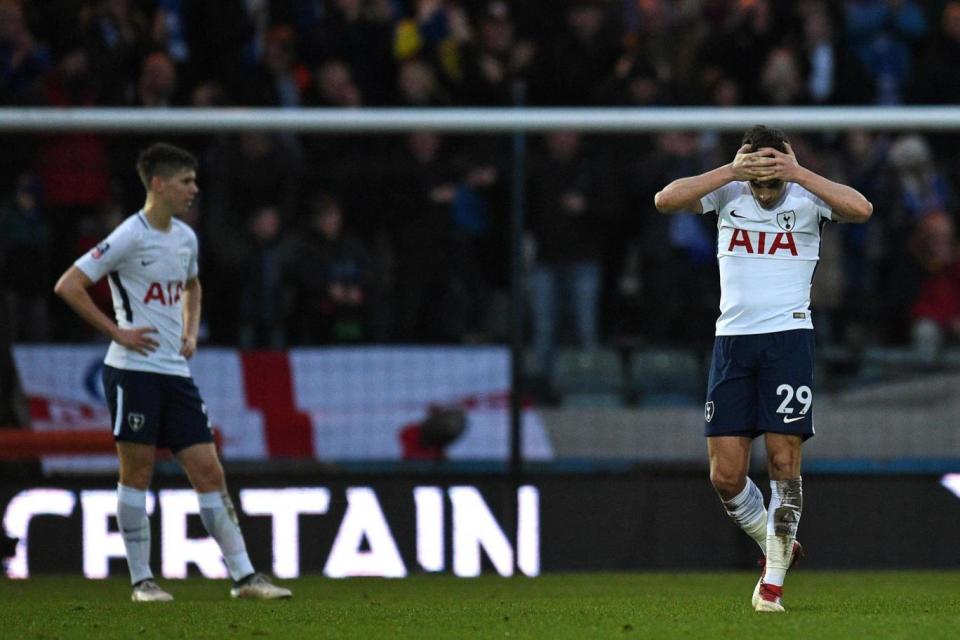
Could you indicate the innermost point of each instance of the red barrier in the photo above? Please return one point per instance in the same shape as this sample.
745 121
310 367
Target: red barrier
26 444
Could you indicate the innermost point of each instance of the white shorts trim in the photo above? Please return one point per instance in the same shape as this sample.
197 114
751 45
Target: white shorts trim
118 421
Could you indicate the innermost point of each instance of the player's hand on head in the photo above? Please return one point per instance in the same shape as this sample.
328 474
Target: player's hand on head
751 165
137 339
739 162
188 346
784 166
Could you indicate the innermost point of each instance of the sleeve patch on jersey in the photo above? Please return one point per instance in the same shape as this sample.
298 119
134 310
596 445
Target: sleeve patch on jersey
99 250
799 315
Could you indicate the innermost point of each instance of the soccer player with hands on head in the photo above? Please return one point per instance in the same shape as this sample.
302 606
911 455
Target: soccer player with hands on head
151 262
770 213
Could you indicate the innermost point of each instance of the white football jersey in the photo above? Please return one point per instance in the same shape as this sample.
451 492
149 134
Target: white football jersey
767 258
147 269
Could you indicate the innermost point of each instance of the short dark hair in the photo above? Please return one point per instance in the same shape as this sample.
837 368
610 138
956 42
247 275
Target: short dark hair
759 136
162 159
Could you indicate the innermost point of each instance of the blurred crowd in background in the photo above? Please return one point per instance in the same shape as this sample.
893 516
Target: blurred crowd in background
318 239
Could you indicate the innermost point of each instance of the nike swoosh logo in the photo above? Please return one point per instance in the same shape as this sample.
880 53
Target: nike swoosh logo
146 263
734 214
787 420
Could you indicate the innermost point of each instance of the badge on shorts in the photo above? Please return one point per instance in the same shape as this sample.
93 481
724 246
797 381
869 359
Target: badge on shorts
708 411
135 420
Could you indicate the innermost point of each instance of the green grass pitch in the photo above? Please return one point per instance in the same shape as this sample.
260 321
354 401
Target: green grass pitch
653 605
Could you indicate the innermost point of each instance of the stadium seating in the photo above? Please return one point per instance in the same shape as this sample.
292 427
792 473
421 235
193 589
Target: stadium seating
663 377
589 378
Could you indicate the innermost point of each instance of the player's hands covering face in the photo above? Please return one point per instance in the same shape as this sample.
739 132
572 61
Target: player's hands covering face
766 164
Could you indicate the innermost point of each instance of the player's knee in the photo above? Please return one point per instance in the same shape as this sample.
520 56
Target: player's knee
784 465
726 482
138 477
208 477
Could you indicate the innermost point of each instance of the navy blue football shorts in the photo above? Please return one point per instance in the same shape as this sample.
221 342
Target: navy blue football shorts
761 383
157 409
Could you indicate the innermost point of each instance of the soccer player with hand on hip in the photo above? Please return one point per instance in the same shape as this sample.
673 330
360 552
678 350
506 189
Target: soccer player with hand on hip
770 214
151 262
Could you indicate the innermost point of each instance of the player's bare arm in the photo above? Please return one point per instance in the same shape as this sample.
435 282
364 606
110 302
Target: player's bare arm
684 194
192 294
72 287
847 204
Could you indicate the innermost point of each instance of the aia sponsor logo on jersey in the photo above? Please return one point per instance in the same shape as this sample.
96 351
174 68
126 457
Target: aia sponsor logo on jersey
99 250
761 242
170 294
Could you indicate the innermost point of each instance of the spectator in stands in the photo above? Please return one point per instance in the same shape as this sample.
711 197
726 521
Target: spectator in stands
434 30
261 320
883 34
781 83
863 156
332 161
116 40
570 68
740 45
417 85
261 15
935 312
478 258
247 173
158 81
494 60
915 188
360 33
633 83
931 84
723 91
207 94
567 221
919 185
326 272
24 262
277 80
833 75
334 84
23 62
678 258
168 30
157 87
423 189
74 172
216 34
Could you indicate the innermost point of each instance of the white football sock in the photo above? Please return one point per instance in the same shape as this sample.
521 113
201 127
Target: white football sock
220 520
786 504
747 510
135 530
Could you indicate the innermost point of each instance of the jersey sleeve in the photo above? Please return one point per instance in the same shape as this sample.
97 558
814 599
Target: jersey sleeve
107 256
823 209
714 201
